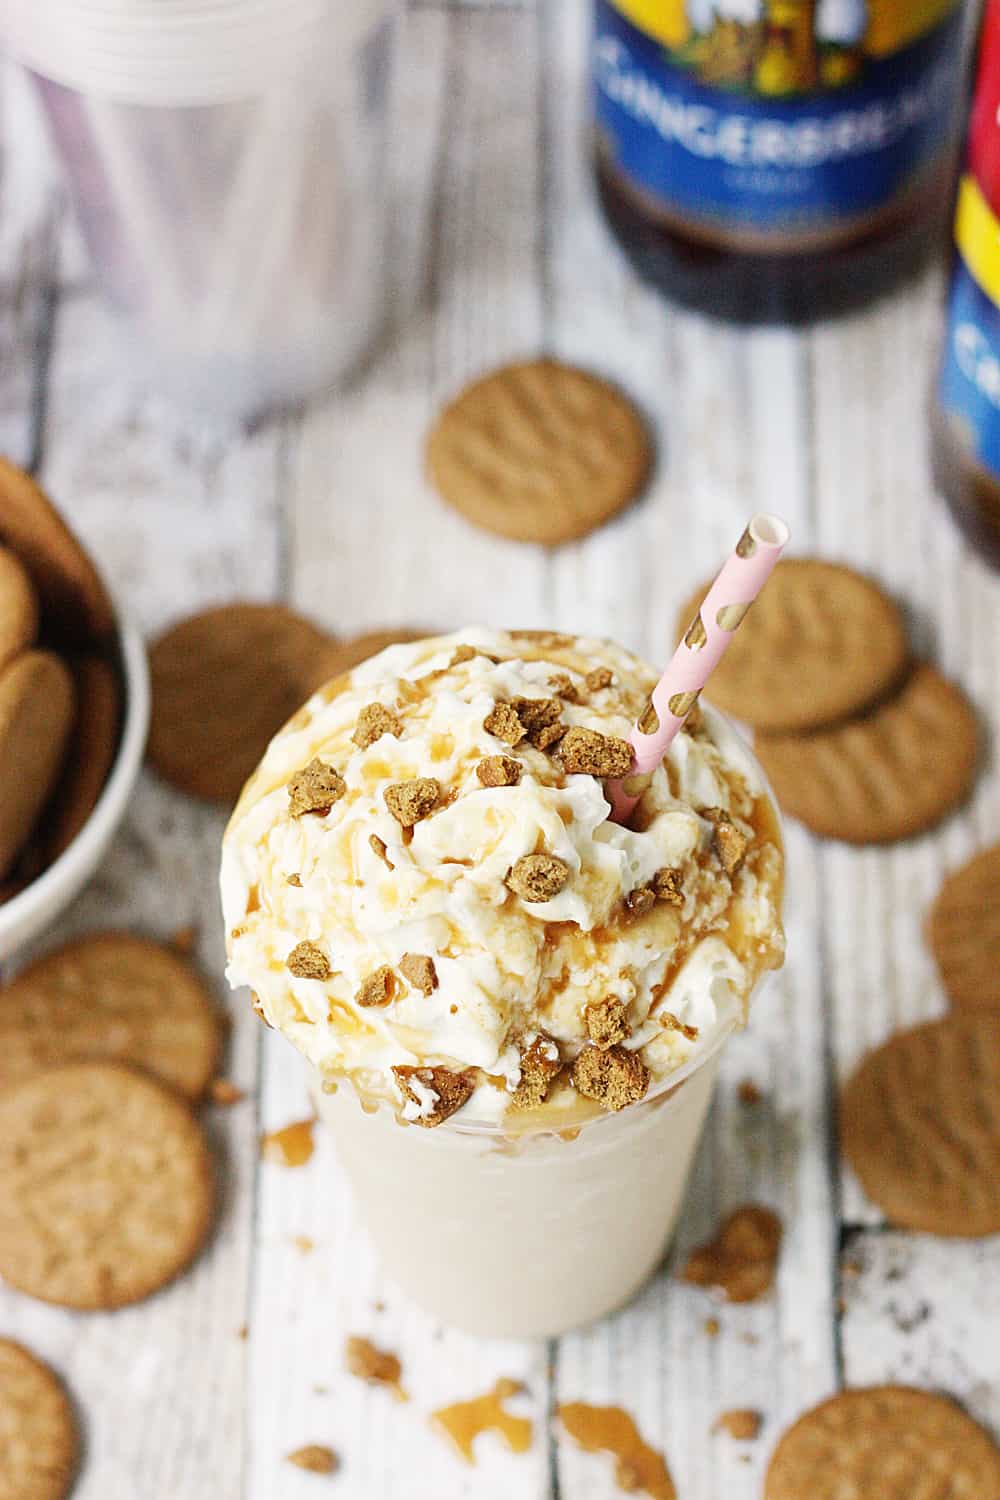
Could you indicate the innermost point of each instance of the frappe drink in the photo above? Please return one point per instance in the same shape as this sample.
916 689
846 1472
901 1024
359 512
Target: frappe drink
511 1008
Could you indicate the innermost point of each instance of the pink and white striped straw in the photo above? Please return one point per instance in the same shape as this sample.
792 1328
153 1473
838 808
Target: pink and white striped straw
743 575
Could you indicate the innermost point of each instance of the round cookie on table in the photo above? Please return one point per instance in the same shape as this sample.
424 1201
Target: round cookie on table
39 1442
539 451
106 1186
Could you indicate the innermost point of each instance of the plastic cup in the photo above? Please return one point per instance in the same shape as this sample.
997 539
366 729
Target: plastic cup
225 161
525 1234
522 1236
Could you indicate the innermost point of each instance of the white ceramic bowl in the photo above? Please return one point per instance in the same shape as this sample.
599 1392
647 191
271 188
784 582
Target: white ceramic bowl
24 917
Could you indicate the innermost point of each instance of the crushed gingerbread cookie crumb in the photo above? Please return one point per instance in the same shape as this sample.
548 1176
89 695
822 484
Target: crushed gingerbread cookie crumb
667 885
499 770
224 1093
315 789
419 971
564 687
748 1092
295 880
728 842
587 752
378 989
366 1361
374 721
450 1089
640 901
540 1067
316 1458
541 718
669 1022
538 877
614 1078
308 961
607 1022
409 801
742 1423
380 848
712 1328
503 722
600 677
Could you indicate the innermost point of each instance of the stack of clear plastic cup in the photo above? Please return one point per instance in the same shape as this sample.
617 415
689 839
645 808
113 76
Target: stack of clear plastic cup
225 160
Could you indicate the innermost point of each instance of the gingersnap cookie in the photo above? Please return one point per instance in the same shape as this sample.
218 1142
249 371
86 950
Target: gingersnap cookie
115 998
964 932
74 602
920 1125
886 1442
36 717
888 774
89 757
539 452
344 656
105 1185
224 682
820 643
39 1443
18 608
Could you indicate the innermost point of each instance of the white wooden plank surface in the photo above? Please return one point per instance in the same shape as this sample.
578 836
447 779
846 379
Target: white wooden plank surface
496 250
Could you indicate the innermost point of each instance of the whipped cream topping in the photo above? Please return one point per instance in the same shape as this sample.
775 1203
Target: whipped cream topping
367 891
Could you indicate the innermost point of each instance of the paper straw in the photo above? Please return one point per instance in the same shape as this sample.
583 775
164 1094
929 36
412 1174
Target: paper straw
743 575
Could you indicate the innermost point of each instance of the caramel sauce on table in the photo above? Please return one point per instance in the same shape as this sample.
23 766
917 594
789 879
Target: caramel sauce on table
639 1469
463 1422
291 1146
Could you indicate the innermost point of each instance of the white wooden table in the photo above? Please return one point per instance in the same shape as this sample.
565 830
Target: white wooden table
199 1393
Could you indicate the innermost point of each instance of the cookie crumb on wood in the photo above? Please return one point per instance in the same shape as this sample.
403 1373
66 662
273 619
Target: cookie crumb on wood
419 970
540 1067
315 789
607 1022
590 753
499 770
380 848
600 677
374 721
410 801
316 1458
451 1090
224 1093
742 1423
614 1078
503 722
538 877
378 989
308 961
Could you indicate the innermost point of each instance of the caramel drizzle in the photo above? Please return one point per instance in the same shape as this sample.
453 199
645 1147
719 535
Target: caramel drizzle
291 1146
463 1422
607 1429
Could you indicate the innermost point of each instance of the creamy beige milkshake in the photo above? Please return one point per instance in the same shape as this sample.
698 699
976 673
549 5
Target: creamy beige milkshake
511 1007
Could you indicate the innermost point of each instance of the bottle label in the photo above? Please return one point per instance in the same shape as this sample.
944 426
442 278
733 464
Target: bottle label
970 371
778 125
